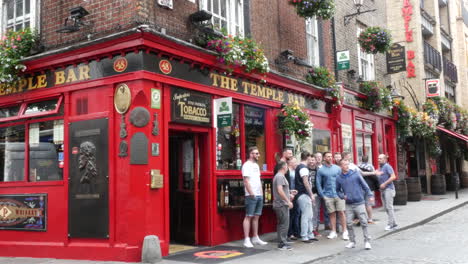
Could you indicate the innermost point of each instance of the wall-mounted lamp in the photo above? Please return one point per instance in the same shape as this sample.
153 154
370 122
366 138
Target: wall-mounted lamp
73 22
394 93
358 4
287 56
352 75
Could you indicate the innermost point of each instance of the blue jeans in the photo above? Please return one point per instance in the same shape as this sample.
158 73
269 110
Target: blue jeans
307 226
253 205
294 218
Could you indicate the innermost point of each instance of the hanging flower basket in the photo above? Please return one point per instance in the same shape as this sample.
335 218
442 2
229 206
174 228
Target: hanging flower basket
375 40
295 121
324 9
378 97
14 46
235 51
322 77
404 119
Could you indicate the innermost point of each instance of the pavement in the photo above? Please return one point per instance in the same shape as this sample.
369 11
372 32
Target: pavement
407 216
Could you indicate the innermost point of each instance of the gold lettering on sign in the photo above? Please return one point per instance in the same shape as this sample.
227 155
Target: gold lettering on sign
256 90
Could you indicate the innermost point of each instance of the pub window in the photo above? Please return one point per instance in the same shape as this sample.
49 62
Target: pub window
12 143
248 128
10 111
320 141
364 144
229 156
255 132
31 139
365 61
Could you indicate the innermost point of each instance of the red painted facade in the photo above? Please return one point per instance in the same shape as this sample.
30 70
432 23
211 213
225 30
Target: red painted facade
136 210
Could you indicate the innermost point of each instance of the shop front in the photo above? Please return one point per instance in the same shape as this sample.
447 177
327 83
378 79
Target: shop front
103 145
367 133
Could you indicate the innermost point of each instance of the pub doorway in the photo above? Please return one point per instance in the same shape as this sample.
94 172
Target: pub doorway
188 183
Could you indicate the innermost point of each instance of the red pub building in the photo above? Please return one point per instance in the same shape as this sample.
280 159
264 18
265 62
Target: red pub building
105 143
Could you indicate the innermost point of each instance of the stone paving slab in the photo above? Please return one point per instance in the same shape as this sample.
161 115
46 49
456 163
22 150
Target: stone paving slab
407 216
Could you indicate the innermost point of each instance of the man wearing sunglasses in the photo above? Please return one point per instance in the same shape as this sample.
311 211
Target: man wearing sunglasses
253 198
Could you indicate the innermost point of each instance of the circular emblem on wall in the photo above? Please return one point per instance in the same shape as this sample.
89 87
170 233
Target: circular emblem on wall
165 66
122 98
120 64
139 117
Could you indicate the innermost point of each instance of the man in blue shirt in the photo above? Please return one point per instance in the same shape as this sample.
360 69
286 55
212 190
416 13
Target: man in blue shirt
351 187
387 189
326 187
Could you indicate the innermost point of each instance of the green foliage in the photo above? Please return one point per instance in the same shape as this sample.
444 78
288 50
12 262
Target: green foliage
235 51
295 121
375 40
14 45
378 96
323 9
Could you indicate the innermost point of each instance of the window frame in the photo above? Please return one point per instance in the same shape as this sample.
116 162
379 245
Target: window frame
33 15
24 105
367 74
363 132
26 123
312 41
230 14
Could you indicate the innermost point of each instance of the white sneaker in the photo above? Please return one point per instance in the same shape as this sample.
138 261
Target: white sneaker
247 243
367 246
345 235
332 235
258 241
350 245
390 228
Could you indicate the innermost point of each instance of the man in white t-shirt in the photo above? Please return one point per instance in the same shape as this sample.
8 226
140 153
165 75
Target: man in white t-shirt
253 198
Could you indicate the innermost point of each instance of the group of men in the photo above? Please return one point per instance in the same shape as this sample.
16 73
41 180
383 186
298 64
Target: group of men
300 189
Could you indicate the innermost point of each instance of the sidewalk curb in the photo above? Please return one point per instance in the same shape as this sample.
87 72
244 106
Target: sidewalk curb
422 222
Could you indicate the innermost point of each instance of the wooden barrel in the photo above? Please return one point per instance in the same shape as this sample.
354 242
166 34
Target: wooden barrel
438 185
464 179
449 182
401 196
413 185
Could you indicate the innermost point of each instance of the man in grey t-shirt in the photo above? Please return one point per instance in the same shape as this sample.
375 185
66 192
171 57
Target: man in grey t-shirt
281 204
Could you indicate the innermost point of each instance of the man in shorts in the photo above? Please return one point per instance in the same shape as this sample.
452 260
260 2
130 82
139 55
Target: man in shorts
326 186
253 198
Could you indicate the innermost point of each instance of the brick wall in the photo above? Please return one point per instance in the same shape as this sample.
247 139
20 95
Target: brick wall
106 16
273 24
346 37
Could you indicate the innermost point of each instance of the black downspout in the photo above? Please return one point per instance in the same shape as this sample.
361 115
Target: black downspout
337 77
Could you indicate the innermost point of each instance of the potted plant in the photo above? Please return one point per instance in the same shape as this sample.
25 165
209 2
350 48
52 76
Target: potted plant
235 51
375 40
378 97
14 46
294 121
324 9
322 77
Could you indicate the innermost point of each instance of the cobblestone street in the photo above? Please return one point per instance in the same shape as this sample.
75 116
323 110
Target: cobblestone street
441 241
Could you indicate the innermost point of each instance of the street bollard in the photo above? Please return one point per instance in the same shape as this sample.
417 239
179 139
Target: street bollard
456 181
